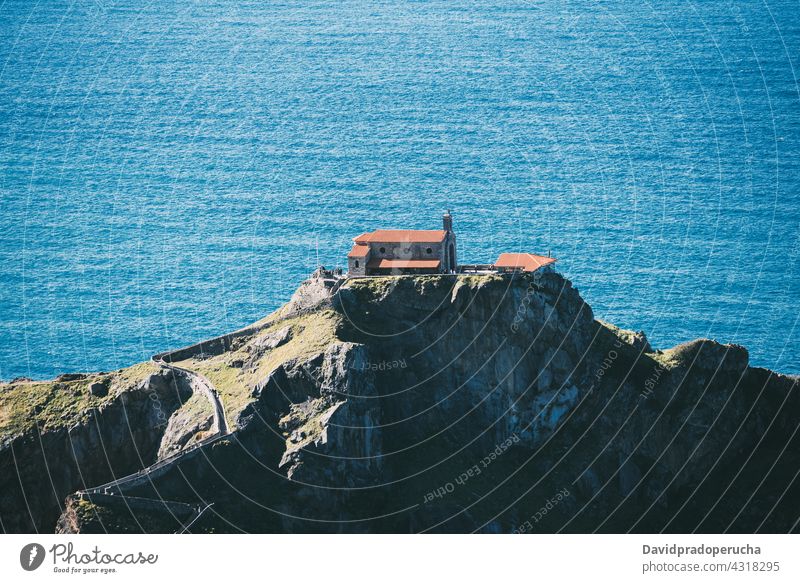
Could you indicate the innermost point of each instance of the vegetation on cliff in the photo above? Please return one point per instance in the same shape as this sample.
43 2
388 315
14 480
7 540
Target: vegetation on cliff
61 403
461 403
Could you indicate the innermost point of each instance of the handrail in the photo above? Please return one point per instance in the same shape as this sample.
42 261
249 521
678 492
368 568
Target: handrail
220 422
197 516
162 463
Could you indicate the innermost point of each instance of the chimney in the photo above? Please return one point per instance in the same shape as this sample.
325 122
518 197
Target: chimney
447 221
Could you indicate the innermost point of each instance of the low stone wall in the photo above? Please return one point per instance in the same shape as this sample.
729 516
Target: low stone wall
113 492
155 471
180 510
211 347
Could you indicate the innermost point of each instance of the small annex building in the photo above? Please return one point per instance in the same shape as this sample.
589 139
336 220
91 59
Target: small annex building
528 262
396 252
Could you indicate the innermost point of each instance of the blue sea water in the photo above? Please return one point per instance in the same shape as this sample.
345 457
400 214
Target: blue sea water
172 170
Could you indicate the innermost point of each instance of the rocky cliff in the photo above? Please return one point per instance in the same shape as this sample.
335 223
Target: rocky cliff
456 404
74 432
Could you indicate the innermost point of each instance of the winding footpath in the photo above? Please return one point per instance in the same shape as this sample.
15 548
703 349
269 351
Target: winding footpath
201 383
113 492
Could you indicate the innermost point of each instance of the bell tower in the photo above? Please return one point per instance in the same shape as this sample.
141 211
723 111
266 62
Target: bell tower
450 263
447 221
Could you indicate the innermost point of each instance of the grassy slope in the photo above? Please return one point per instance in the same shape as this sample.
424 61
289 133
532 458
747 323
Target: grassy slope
57 403
311 334
54 404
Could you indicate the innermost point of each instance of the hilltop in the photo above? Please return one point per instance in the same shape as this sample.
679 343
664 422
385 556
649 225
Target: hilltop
444 403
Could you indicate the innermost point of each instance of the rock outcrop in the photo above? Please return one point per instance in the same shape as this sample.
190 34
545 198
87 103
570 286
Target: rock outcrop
73 438
468 403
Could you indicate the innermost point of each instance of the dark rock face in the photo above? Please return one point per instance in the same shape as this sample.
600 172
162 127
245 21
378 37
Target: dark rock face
99 388
490 404
641 441
39 468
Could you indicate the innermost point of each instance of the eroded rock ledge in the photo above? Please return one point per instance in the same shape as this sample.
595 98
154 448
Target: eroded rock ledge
465 403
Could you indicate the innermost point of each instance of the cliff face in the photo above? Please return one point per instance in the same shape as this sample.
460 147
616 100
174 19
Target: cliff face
470 403
474 403
75 432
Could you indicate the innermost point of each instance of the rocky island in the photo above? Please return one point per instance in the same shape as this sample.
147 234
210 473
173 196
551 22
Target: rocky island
489 403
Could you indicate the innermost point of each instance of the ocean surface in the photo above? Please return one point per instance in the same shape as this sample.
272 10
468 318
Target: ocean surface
170 171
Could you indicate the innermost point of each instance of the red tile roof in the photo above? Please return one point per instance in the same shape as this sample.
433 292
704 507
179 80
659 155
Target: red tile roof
526 261
405 236
404 264
359 251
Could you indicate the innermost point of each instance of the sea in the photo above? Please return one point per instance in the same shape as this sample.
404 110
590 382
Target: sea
170 171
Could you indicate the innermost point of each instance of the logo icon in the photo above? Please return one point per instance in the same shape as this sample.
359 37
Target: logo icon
31 556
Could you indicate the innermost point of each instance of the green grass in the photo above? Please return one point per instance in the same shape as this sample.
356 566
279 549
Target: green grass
627 336
377 287
53 404
86 512
370 287
478 279
682 354
93 518
306 420
475 281
311 334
